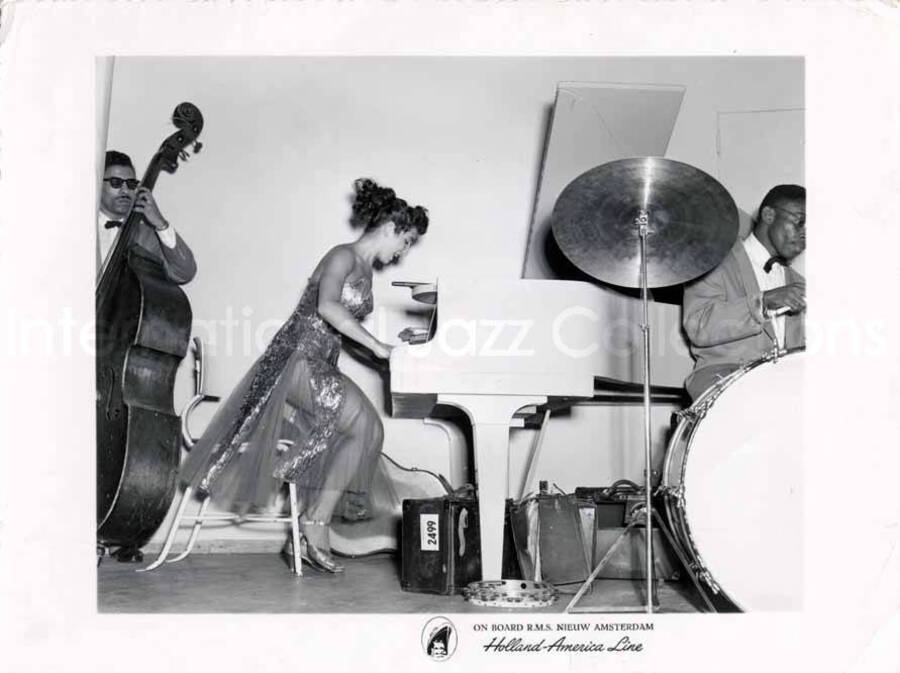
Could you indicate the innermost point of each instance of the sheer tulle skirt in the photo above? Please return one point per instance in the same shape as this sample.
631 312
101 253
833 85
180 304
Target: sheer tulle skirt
316 428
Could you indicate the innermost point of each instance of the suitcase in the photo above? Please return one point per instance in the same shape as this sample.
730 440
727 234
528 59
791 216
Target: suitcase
549 541
440 545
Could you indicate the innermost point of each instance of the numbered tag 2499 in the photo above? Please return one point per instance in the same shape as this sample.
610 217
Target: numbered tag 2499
429 531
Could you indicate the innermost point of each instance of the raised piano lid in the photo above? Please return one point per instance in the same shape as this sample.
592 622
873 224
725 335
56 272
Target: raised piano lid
536 337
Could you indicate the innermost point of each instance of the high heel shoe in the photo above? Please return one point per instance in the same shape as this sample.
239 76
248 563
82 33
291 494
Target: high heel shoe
312 555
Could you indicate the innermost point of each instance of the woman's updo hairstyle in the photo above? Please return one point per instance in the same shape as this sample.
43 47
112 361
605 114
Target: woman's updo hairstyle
375 205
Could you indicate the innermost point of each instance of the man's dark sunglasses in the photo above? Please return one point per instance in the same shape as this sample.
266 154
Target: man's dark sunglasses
115 183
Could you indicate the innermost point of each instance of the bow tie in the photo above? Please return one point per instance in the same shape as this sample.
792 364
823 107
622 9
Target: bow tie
112 224
777 259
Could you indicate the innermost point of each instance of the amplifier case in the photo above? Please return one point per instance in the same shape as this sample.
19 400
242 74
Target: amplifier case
605 512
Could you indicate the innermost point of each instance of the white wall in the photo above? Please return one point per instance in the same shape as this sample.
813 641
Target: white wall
285 138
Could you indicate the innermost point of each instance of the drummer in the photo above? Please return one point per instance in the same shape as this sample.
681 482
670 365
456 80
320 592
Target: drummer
753 300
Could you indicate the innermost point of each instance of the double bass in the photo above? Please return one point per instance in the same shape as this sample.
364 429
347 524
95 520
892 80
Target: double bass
143 327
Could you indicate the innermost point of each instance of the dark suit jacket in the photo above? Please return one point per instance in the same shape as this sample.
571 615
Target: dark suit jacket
723 319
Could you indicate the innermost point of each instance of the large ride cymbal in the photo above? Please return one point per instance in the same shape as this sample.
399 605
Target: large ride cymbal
693 221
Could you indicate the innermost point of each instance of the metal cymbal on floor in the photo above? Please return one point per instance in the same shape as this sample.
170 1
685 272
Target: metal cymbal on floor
692 220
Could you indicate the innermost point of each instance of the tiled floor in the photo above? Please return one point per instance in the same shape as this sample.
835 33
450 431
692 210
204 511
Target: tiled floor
263 583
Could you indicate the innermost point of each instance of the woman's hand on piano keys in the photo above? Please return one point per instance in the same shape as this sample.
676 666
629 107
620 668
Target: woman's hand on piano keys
414 335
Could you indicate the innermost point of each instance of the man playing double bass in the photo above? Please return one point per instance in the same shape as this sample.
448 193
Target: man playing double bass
156 240
753 301
118 192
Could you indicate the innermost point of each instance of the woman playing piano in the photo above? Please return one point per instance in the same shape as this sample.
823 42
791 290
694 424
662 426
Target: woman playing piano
294 416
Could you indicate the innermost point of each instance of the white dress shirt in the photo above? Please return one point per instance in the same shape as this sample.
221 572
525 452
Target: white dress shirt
758 255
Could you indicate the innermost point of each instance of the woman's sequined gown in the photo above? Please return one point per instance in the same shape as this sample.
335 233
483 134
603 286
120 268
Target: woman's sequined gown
293 392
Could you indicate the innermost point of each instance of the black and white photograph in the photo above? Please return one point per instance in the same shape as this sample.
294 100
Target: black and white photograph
494 336
489 358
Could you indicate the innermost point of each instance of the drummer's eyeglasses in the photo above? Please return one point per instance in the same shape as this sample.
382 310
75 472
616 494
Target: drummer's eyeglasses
799 219
116 183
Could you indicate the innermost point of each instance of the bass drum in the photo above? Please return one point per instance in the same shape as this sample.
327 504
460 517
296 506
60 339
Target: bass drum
732 485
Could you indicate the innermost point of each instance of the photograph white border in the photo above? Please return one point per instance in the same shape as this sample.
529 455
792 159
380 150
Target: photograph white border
47 154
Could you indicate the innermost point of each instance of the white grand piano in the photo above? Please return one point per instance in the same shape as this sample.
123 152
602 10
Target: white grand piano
499 345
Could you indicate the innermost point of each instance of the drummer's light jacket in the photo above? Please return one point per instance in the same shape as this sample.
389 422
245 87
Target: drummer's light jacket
724 321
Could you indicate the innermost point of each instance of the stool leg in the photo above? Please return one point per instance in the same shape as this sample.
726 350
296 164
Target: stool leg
173 530
195 531
295 528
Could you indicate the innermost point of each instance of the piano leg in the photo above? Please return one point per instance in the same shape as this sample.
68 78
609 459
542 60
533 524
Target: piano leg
492 473
458 449
491 416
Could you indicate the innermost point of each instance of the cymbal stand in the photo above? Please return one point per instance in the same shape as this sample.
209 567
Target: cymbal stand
642 221
637 517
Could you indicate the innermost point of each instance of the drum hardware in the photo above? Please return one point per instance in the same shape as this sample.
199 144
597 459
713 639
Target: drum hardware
639 518
686 414
644 222
698 411
635 514
695 569
673 492
704 575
